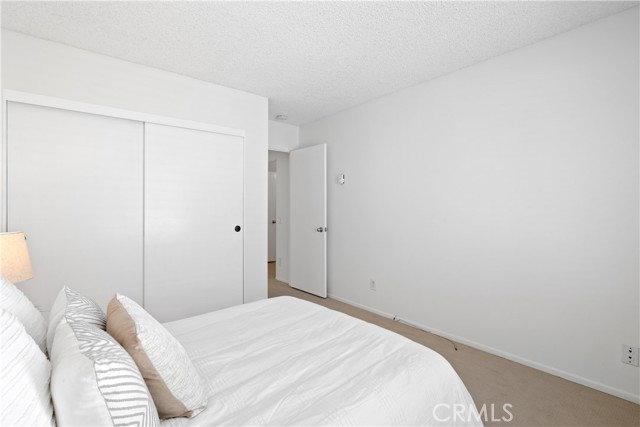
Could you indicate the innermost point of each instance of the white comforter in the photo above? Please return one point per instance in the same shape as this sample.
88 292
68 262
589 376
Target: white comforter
285 361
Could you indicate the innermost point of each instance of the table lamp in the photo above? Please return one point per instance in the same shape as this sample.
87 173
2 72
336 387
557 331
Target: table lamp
15 264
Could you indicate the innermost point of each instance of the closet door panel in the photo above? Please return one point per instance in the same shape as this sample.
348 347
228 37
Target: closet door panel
74 186
193 203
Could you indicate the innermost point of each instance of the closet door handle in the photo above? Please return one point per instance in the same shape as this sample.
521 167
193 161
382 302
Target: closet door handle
237 228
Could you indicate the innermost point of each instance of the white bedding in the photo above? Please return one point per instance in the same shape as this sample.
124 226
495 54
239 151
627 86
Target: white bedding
285 361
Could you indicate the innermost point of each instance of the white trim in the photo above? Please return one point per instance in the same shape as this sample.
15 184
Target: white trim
4 167
361 306
539 366
65 104
281 149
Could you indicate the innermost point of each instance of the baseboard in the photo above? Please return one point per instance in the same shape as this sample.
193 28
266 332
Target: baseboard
281 280
523 361
362 306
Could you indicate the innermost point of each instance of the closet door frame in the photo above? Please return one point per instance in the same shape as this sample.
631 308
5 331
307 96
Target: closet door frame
101 110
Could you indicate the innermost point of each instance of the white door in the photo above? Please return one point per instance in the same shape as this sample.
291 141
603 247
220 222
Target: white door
193 221
74 186
308 201
271 218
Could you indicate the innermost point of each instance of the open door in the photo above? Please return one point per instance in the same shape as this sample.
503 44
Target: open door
308 222
271 217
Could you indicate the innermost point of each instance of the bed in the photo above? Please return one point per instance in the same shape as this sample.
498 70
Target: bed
280 361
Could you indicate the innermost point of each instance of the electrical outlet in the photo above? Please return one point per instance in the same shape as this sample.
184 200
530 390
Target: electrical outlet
629 355
372 285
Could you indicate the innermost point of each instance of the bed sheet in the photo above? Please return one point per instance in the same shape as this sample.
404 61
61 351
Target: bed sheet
285 361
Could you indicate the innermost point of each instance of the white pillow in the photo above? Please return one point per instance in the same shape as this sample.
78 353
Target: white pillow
15 302
25 399
95 382
172 379
82 308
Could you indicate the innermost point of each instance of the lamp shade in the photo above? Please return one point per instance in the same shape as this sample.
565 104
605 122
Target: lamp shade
15 264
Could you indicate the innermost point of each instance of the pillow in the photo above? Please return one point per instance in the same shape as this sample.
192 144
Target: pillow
25 399
94 380
71 303
15 302
165 365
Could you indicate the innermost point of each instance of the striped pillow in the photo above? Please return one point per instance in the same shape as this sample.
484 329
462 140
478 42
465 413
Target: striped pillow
15 302
95 381
25 399
71 303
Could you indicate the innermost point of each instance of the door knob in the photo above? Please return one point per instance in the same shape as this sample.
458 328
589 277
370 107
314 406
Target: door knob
237 228
321 229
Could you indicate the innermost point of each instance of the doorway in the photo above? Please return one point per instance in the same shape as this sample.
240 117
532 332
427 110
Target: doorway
278 216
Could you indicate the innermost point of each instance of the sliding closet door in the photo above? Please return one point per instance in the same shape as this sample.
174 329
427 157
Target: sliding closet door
193 221
74 186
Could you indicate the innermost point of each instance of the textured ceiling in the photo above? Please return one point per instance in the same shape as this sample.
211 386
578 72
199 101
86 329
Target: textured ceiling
311 59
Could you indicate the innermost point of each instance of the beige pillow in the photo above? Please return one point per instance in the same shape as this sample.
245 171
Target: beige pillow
172 379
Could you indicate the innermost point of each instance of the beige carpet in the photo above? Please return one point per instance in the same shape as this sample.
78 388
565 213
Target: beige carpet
537 398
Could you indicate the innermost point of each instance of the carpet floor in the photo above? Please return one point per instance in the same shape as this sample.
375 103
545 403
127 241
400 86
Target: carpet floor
535 397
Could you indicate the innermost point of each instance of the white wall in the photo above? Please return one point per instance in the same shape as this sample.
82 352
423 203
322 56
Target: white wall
42 67
283 137
498 205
